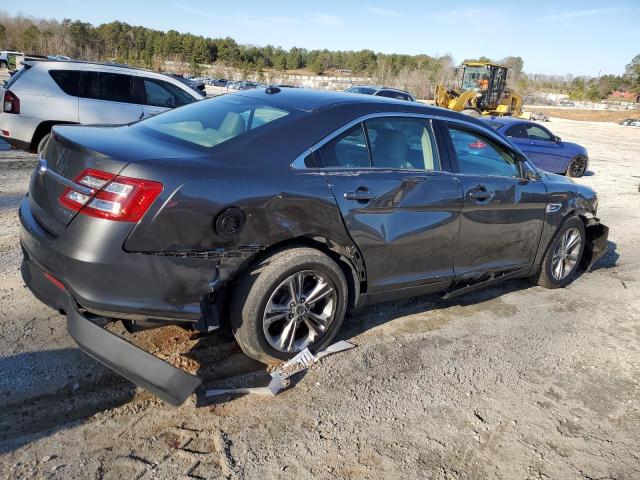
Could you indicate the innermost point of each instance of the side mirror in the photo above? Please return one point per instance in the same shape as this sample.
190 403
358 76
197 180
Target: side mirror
556 139
531 175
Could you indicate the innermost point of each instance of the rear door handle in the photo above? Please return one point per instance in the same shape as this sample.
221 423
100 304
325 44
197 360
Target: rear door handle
362 194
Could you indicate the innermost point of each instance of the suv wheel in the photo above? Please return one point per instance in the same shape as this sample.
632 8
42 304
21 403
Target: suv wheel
294 299
562 260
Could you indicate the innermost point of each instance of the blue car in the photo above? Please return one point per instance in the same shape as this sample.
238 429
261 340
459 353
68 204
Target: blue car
546 150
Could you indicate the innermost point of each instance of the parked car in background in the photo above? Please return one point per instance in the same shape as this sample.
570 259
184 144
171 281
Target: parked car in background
539 116
47 93
545 150
5 57
220 82
630 122
381 92
276 211
195 84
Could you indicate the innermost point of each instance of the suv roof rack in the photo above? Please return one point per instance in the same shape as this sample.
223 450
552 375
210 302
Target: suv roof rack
42 58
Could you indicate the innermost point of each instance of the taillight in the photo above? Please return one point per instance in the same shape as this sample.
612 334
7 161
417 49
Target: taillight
11 103
112 197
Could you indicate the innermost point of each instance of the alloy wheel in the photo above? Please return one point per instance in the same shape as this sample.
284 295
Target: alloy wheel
565 255
299 311
578 166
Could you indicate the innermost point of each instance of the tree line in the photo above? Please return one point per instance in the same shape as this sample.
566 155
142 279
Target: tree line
144 47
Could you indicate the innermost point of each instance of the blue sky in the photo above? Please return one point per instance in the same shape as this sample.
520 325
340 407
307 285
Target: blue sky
555 37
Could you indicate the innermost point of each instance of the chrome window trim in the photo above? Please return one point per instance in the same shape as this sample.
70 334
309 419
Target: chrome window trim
298 163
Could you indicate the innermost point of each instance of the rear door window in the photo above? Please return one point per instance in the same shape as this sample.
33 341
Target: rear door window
392 94
517 131
114 87
67 80
404 143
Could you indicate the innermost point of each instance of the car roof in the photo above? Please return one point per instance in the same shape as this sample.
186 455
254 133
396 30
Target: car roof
309 100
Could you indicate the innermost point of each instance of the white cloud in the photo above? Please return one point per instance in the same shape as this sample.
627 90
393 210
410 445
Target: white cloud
241 19
326 19
385 12
573 14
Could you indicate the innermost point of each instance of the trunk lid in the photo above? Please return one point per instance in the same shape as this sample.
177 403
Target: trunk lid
75 148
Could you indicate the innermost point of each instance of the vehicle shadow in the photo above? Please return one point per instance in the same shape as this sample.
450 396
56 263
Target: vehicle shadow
249 373
46 391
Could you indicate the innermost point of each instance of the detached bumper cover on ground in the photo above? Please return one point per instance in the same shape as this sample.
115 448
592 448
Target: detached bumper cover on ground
151 373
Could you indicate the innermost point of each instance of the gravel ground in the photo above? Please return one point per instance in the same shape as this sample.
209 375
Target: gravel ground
511 382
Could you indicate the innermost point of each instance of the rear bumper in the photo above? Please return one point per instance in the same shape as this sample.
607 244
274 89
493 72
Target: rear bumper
103 278
21 129
157 376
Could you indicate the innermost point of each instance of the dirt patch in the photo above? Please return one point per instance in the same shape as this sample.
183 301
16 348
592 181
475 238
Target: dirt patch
588 115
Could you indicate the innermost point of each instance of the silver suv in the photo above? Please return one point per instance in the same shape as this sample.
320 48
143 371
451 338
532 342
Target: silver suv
47 93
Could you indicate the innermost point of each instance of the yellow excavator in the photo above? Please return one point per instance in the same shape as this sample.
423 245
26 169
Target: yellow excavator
483 91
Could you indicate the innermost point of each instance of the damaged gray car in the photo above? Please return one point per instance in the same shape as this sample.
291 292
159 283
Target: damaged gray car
276 212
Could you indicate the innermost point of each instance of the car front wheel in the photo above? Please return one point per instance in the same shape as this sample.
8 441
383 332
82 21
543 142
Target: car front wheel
295 299
562 259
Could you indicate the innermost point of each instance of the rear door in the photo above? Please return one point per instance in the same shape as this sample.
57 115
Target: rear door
503 212
399 206
160 96
109 98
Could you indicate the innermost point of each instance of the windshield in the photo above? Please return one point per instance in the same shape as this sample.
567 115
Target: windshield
211 122
473 76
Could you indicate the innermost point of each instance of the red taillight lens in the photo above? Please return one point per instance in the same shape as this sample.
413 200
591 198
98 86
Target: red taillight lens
10 103
112 197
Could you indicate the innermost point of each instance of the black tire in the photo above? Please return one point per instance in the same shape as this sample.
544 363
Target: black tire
43 141
546 277
256 289
472 112
577 166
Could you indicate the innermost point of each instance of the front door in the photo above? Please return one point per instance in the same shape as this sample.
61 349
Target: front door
503 213
543 150
400 208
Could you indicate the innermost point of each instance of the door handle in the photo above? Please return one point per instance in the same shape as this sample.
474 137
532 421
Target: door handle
481 194
362 194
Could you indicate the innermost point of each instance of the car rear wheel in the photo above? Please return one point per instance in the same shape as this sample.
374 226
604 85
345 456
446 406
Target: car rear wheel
562 259
577 166
294 299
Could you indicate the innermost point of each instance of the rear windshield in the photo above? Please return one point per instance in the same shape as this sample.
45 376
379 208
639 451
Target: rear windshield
16 76
494 125
365 90
211 122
